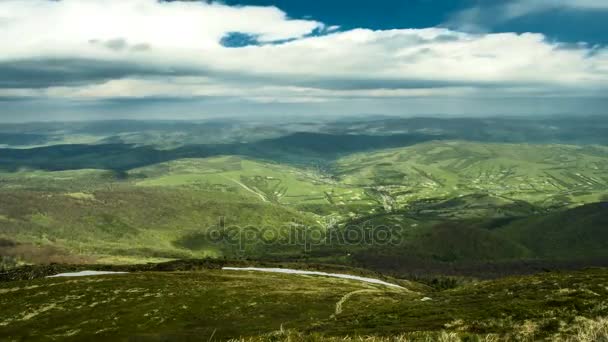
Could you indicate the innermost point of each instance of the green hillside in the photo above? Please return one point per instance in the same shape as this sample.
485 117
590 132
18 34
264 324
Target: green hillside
217 304
134 221
575 233
545 175
441 197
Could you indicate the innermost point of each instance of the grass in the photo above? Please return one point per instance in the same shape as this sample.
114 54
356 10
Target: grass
252 306
545 301
583 330
266 181
117 222
185 306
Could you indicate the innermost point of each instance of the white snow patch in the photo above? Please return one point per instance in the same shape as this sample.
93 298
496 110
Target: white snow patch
291 271
84 274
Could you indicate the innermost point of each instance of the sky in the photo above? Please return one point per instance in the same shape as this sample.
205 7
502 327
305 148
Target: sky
149 59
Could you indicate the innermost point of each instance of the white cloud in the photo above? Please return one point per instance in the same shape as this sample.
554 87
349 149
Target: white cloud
478 18
95 49
57 26
520 8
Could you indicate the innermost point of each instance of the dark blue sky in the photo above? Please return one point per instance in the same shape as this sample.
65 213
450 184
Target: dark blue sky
563 24
377 14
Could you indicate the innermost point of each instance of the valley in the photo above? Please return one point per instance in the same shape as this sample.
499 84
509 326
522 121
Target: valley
422 192
461 225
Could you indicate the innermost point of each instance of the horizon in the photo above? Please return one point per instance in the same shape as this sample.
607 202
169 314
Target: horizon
309 118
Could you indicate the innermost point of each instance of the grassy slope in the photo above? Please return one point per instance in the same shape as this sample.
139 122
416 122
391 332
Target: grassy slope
274 182
575 233
540 174
185 306
133 221
196 305
543 302
572 234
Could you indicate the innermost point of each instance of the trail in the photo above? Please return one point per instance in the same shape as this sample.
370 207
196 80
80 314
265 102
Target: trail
346 297
334 275
262 197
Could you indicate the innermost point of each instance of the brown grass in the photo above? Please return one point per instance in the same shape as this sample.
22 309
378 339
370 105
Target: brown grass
14 254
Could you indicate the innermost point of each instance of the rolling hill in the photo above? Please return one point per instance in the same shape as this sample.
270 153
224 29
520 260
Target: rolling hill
444 197
575 233
545 175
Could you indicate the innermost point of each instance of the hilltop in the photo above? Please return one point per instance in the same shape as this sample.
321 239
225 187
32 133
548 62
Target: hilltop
218 304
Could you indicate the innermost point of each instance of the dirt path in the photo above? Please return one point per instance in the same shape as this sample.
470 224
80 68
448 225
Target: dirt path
347 296
262 197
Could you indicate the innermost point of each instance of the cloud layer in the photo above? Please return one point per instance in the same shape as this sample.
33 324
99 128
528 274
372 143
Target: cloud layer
488 14
115 49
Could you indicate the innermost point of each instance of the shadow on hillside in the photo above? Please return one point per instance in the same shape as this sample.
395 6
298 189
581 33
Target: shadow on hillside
298 148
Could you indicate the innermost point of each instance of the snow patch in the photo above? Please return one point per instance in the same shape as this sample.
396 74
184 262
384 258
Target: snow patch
291 271
84 274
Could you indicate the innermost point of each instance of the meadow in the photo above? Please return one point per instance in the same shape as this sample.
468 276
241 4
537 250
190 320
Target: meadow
250 306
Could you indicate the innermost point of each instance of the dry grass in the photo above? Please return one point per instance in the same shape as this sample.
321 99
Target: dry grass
586 330
293 336
14 254
583 330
